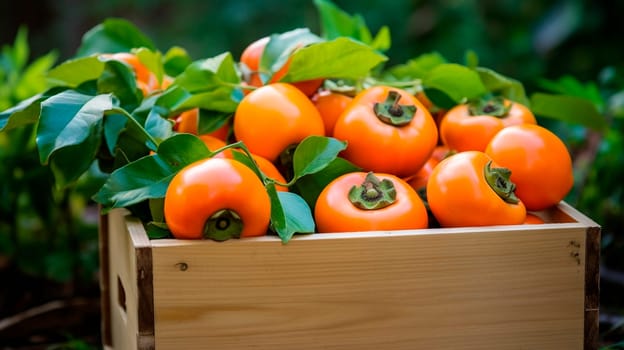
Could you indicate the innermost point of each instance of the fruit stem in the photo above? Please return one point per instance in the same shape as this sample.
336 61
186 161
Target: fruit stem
393 113
373 194
498 179
223 225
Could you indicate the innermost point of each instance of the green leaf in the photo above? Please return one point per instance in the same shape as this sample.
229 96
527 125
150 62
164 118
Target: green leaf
418 67
113 35
334 21
457 81
24 113
157 230
173 99
211 83
69 118
157 209
208 74
290 214
210 121
176 60
299 217
382 40
339 58
149 177
69 163
74 72
314 153
114 125
337 23
439 98
497 83
118 79
158 125
569 109
131 145
280 47
278 216
220 99
310 186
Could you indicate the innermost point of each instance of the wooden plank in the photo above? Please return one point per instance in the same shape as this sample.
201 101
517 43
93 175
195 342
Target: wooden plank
491 288
592 288
592 274
144 283
122 283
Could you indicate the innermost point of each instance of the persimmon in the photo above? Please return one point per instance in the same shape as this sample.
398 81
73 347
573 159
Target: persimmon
217 198
469 127
469 189
540 164
362 201
273 117
387 130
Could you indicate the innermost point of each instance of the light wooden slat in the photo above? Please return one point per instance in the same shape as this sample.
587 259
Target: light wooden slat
122 281
502 288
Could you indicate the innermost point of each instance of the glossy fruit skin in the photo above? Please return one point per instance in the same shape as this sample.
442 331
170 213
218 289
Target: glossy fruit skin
334 212
379 147
464 132
459 196
419 181
251 57
187 121
540 164
330 105
203 188
274 117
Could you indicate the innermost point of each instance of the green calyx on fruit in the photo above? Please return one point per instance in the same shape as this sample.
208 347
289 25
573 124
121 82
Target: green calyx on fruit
223 225
498 179
493 106
372 193
393 113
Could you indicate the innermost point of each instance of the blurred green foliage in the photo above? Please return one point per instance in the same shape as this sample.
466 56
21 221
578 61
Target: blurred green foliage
42 229
522 39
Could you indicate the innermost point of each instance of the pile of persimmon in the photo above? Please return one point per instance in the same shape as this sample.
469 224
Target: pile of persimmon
483 162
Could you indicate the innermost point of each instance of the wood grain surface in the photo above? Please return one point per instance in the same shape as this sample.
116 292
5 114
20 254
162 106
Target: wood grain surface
511 287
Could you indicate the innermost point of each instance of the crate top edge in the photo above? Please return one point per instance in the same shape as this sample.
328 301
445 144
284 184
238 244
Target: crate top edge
564 217
389 234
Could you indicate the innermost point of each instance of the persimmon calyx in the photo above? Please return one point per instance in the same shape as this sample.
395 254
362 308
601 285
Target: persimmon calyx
223 225
393 113
372 193
494 106
498 179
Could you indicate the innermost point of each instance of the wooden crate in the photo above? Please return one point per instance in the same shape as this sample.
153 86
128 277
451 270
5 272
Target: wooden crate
505 287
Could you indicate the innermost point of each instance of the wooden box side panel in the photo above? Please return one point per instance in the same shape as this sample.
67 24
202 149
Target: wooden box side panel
517 289
122 279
